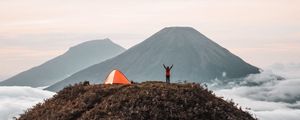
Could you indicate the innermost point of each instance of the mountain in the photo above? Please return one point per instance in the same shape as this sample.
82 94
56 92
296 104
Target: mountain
195 58
61 67
143 101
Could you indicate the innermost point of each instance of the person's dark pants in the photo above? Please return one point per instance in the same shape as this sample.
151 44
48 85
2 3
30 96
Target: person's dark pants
167 79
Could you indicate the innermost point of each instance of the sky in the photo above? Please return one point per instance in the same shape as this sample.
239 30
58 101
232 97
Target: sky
262 32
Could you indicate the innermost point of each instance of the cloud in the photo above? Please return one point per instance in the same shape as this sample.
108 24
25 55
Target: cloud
290 70
280 114
14 100
264 110
268 98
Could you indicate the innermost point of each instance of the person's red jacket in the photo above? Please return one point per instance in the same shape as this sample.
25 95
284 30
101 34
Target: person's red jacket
168 73
168 70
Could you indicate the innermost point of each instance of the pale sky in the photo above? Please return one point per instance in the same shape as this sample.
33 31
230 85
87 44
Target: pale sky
262 32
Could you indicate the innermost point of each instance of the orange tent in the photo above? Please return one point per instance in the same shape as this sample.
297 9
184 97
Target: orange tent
116 77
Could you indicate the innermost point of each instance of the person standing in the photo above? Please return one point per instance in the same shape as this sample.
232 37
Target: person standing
168 72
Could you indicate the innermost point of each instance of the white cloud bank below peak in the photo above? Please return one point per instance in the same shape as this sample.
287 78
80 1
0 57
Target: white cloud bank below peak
14 100
269 99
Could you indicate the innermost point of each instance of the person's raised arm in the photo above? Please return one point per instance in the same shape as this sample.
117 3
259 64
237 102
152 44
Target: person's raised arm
164 66
171 67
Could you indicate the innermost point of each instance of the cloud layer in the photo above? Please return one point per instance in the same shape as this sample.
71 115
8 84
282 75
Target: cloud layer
269 98
14 100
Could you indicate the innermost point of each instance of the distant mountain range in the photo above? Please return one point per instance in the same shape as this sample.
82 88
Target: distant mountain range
195 57
63 66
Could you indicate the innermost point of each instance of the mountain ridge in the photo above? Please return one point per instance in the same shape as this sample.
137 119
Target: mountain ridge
73 60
